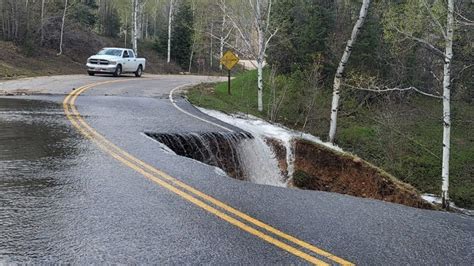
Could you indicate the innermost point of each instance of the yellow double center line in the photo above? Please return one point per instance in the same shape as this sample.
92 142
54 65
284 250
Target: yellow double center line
227 213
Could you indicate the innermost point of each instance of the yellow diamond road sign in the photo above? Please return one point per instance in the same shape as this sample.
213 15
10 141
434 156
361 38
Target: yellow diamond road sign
229 59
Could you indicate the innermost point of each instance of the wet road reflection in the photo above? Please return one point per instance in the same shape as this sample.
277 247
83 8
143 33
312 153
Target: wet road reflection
37 147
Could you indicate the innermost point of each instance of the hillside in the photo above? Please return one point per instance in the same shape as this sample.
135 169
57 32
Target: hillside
18 62
401 137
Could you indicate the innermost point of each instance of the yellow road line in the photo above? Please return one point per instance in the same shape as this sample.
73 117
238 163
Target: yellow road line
135 164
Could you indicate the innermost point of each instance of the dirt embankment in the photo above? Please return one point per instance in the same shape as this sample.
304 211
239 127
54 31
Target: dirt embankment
19 61
320 168
15 63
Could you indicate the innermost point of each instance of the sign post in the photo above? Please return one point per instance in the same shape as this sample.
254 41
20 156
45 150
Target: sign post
229 60
228 82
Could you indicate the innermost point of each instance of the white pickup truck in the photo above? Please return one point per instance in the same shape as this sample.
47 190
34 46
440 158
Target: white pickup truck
115 61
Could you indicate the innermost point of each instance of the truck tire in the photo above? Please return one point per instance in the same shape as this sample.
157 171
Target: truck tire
118 71
91 73
139 71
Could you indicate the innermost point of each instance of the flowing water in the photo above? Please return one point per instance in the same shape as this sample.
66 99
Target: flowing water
263 130
239 154
259 163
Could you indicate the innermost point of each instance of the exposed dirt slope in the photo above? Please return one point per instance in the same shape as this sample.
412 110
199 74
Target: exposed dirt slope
18 62
320 168
14 63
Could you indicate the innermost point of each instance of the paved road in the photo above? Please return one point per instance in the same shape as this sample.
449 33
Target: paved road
90 187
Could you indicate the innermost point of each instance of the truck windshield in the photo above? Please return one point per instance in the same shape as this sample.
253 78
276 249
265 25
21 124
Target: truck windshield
114 52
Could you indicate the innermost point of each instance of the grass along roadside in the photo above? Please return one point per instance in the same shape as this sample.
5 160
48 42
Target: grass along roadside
403 137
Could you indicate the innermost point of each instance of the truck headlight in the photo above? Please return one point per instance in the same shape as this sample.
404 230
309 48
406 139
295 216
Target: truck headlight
112 63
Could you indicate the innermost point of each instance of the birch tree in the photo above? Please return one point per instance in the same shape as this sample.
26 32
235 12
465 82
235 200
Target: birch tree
42 23
170 21
254 46
135 27
62 29
225 30
448 56
342 65
420 21
431 39
193 46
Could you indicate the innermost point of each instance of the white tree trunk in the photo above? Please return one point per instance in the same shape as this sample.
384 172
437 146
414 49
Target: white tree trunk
211 56
340 69
42 23
135 27
191 55
221 48
62 29
260 84
155 19
146 27
261 55
27 16
170 21
126 32
193 8
446 103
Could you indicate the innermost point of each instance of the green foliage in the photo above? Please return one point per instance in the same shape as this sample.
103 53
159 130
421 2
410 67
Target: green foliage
83 13
404 16
413 18
303 31
182 34
160 46
358 134
111 24
302 179
403 140
369 54
242 98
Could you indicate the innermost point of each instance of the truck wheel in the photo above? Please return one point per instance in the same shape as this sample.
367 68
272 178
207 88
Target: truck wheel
118 71
91 73
139 71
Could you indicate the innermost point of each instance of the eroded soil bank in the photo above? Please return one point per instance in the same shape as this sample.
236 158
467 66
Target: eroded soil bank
306 165
319 168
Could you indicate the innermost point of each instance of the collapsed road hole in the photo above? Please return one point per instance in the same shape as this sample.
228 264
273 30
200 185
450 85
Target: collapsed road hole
295 162
239 154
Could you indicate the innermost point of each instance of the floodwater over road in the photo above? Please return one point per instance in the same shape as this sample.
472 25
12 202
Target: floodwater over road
37 150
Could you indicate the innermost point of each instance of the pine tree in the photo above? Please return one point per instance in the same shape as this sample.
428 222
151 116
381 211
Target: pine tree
304 28
181 40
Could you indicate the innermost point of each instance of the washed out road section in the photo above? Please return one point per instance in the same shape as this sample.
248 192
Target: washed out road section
100 211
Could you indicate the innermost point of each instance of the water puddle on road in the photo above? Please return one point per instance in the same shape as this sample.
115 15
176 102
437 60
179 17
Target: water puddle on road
36 147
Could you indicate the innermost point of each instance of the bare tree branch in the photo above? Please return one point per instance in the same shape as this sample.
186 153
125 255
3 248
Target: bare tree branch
465 21
269 38
422 41
241 33
435 20
386 89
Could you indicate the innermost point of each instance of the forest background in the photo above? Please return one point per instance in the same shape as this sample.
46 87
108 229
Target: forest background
397 130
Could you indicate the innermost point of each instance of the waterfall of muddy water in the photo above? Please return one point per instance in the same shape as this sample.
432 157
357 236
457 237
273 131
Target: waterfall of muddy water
239 154
261 129
259 163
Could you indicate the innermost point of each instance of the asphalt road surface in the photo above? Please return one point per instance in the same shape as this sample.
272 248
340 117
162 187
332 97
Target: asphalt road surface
81 183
